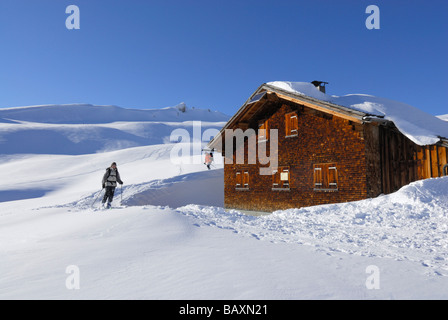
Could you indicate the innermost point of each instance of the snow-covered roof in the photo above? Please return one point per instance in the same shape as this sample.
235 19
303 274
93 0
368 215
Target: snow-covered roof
420 127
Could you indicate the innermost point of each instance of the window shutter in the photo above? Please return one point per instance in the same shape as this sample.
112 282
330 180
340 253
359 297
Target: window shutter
246 179
291 124
263 130
332 177
294 124
318 179
288 124
238 179
276 179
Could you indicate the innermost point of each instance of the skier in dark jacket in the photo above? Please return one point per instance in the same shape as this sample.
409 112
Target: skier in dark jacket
110 179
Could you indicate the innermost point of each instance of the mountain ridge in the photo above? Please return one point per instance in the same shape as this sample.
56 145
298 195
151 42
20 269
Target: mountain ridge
84 113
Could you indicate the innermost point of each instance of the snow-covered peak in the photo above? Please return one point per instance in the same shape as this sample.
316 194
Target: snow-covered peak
443 117
419 126
95 114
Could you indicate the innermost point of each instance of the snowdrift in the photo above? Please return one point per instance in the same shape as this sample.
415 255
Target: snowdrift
410 224
201 188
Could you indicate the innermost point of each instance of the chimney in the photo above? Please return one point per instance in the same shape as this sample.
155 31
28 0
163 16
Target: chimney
320 85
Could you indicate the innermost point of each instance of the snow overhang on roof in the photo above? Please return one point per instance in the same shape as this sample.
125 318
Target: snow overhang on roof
419 126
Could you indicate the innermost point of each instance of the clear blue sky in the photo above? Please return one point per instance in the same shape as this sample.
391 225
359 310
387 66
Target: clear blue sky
215 53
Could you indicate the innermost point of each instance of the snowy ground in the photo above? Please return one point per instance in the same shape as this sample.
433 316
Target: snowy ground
171 238
203 252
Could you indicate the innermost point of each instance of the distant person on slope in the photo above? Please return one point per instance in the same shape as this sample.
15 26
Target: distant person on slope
208 159
110 179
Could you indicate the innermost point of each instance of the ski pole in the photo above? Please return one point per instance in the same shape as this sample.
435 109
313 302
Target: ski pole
97 197
121 194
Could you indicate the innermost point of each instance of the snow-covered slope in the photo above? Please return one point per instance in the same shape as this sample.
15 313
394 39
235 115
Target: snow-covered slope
419 126
171 239
443 117
84 129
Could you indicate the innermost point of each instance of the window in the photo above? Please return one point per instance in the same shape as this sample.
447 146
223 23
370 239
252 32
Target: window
280 178
242 180
325 177
257 97
263 131
291 124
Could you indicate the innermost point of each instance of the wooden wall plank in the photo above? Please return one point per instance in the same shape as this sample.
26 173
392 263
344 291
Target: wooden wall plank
387 162
442 158
434 164
427 163
420 163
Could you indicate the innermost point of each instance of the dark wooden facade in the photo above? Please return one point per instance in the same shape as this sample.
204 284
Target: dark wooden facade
325 155
403 161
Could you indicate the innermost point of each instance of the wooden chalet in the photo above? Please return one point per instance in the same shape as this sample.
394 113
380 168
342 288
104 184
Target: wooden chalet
327 153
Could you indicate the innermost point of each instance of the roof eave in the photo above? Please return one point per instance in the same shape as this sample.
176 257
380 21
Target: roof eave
214 142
